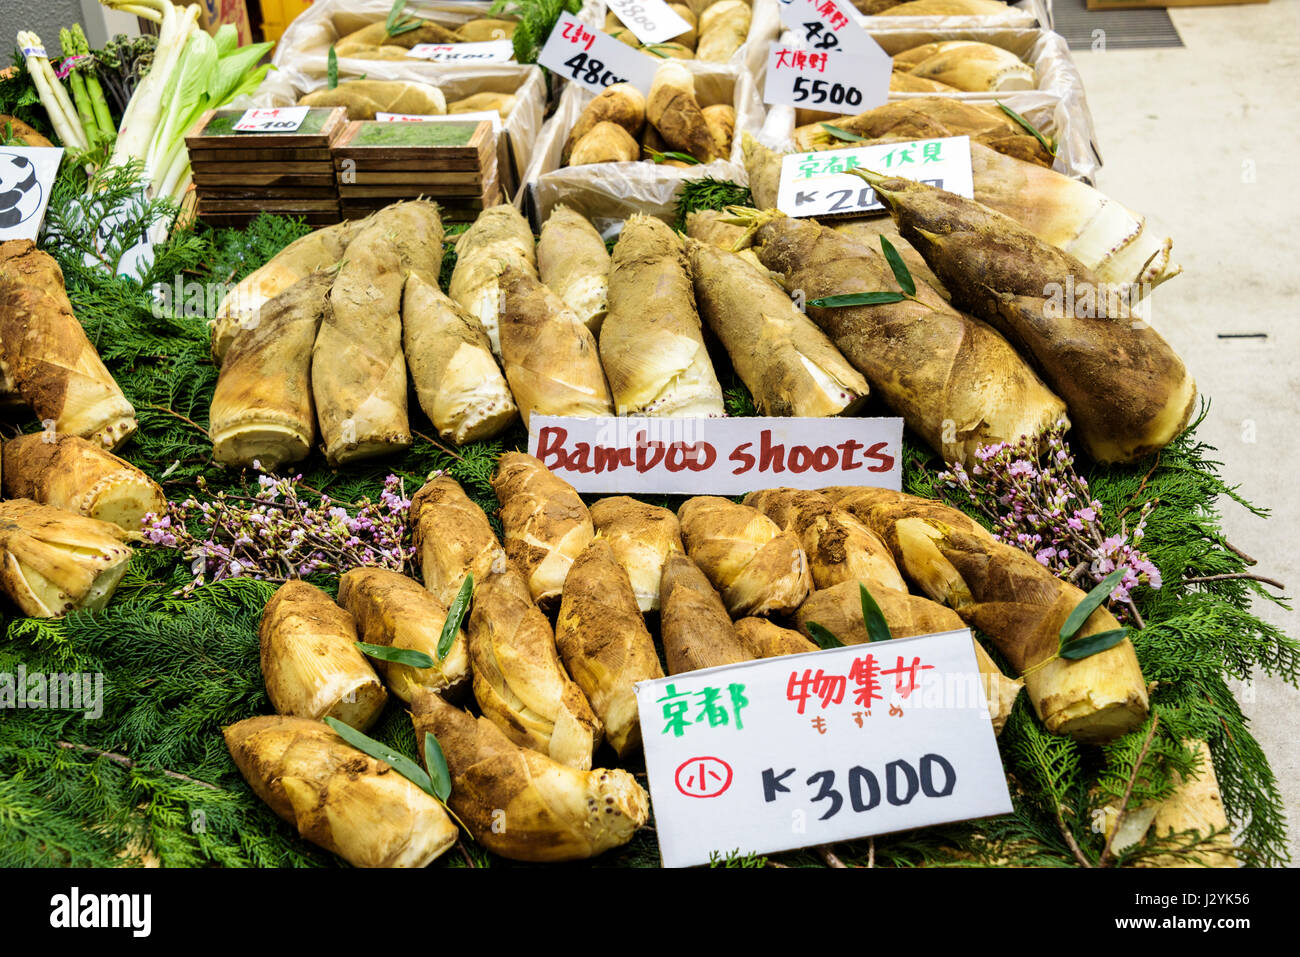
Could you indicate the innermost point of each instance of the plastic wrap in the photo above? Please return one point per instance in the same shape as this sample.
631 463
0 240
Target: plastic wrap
608 193
764 27
1022 14
1058 108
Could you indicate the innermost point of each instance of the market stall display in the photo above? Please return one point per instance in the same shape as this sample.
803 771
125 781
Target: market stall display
428 631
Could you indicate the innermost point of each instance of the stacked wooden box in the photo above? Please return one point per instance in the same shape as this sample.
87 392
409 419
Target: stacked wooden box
238 175
452 163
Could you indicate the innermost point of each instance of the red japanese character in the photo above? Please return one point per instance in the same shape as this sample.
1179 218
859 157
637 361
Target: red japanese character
910 671
800 59
818 61
782 58
863 674
830 688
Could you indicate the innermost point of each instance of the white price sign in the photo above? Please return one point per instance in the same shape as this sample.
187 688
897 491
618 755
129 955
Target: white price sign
828 746
826 25
27 175
653 21
818 184
284 119
491 116
486 51
725 456
832 82
593 59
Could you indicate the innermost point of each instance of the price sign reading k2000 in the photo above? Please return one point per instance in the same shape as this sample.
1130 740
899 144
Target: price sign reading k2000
820 184
828 746
593 59
832 81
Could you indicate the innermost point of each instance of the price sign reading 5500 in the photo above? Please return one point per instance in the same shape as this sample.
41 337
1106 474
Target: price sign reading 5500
820 91
594 59
832 80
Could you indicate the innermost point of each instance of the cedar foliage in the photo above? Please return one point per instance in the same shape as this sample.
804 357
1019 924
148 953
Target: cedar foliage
151 780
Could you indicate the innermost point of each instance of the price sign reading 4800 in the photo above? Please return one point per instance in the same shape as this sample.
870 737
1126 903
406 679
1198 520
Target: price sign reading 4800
828 746
594 59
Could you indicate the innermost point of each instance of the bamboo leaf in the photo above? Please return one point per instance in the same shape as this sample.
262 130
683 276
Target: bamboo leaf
332 69
659 157
1091 602
822 635
857 299
873 617
901 273
455 615
380 752
1029 127
396 24
845 135
436 762
1091 644
398 656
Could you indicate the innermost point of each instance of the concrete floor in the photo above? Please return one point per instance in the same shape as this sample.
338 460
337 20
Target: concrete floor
1204 141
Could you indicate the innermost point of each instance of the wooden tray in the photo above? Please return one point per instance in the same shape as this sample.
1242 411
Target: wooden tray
215 131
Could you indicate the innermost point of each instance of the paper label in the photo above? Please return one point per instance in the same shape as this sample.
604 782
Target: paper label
722 456
817 184
486 51
283 119
593 59
833 82
34 51
825 25
653 21
477 115
828 746
27 175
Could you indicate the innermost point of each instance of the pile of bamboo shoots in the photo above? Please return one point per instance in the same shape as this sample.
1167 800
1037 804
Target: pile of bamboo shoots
717 29
669 126
563 626
71 504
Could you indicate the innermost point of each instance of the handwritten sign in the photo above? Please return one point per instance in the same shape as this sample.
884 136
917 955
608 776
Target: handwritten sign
817 184
829 746
833 82
283 119
825 25
27 175
593 59
701 456
492 116
486 51
653 21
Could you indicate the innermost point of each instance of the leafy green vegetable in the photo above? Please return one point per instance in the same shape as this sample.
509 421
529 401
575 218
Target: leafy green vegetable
659 157
901 273
398 656
709 193
455 615
536 20
381 752
436 761
845 135
823 636
873 617
396 24
1091 602
1091 644
857 299
1049 145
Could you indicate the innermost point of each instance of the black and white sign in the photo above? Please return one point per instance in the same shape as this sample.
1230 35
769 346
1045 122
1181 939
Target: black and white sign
26 177
593 59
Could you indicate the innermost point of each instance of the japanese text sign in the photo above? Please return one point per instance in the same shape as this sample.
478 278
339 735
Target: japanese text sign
593 59
704 456
794 751
653 21
283 119
825 25
492 116
485 51
831 81
818 184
